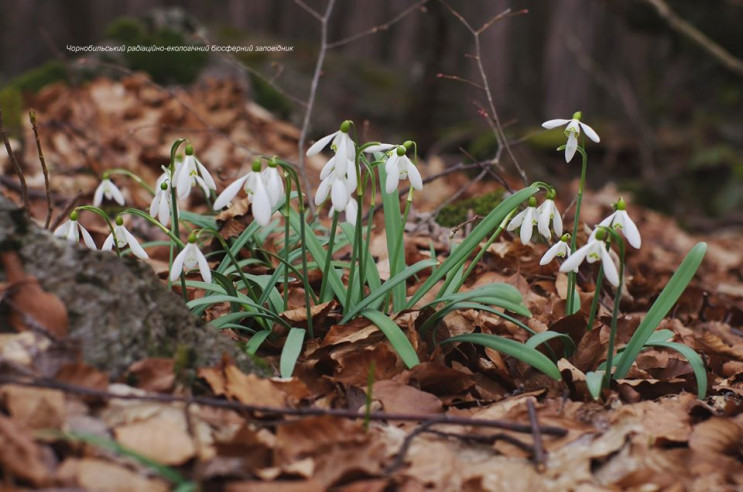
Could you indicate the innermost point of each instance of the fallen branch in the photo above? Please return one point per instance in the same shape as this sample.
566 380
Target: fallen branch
428 420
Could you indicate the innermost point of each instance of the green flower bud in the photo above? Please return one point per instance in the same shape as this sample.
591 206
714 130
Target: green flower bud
551 194
106 175
565 237
119 221
189 149
192 238
577 115
256 166
164 185
401 150
601 234
620 205
408 144
532 201
346 126
73 215
273 161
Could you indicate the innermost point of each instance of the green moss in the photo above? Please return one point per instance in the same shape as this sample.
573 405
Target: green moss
181 67
12 103
456 213
35 79
271 99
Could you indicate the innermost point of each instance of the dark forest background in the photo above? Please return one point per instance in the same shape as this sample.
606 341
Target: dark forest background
669 114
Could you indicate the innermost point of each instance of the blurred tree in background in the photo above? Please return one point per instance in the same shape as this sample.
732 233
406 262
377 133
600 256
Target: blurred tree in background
668 112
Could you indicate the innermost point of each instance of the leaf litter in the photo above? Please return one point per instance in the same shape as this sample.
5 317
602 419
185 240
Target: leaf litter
651 433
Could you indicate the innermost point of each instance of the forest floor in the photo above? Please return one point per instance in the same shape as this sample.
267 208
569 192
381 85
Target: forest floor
466 418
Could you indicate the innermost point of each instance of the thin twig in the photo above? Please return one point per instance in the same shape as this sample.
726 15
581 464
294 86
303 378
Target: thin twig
311 98
40 382
539 460
727 59
493 120
457 78
32 118
314 13
11 156
380 27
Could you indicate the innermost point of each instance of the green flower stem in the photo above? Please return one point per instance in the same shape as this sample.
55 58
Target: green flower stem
329 257
481 253
614 314
104 216
574 237
134 177
302 233
287 203
234 261
365 253
596 295
174 215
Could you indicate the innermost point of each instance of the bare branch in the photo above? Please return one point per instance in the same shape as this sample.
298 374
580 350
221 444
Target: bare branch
314 13
311 99
687 30
18 170
32 119
380 27
495 123
501 16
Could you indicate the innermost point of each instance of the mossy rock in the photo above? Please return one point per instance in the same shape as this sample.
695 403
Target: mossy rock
456 213
37 78
119 312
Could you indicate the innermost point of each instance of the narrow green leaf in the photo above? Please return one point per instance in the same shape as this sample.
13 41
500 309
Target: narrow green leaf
393 227
389 285
395 335
200 221
594 381
531 356
239 244
545 336
465 248
318 253
694 360
290 352
660 308
256 341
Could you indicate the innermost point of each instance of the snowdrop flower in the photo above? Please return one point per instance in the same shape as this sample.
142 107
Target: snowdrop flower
572 130
341 143
593 251
560 249
192 172
71 230
380 147
335 186
398 167
547 212
188 259
273 179
160 206
122 237
108 189
526 219
255 187
621 221
352 210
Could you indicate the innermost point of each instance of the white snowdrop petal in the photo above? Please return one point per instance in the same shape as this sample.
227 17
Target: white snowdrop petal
378 148
320 144
108 244
177 268
63 229
204 269
323 190
570 147
87 239
574 261
393 177
543 221
550 254
557 222
590 132
527 226
229 193
98 196
262 210
205 175
339 194
72 234
352 209
116 194
414 176
610 270
135 246
549 124
516 221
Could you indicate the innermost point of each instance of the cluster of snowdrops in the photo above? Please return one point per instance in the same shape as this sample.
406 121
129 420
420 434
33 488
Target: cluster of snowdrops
346 180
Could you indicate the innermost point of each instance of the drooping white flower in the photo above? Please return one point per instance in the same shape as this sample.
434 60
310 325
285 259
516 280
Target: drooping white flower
560 249
398 167
108 189
526 219
593 251
572 130
189 173
71 230
122 237
352 210
338 190
341 143
380 147
160 206
274 182
621 221
255 187
189 258
547 212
